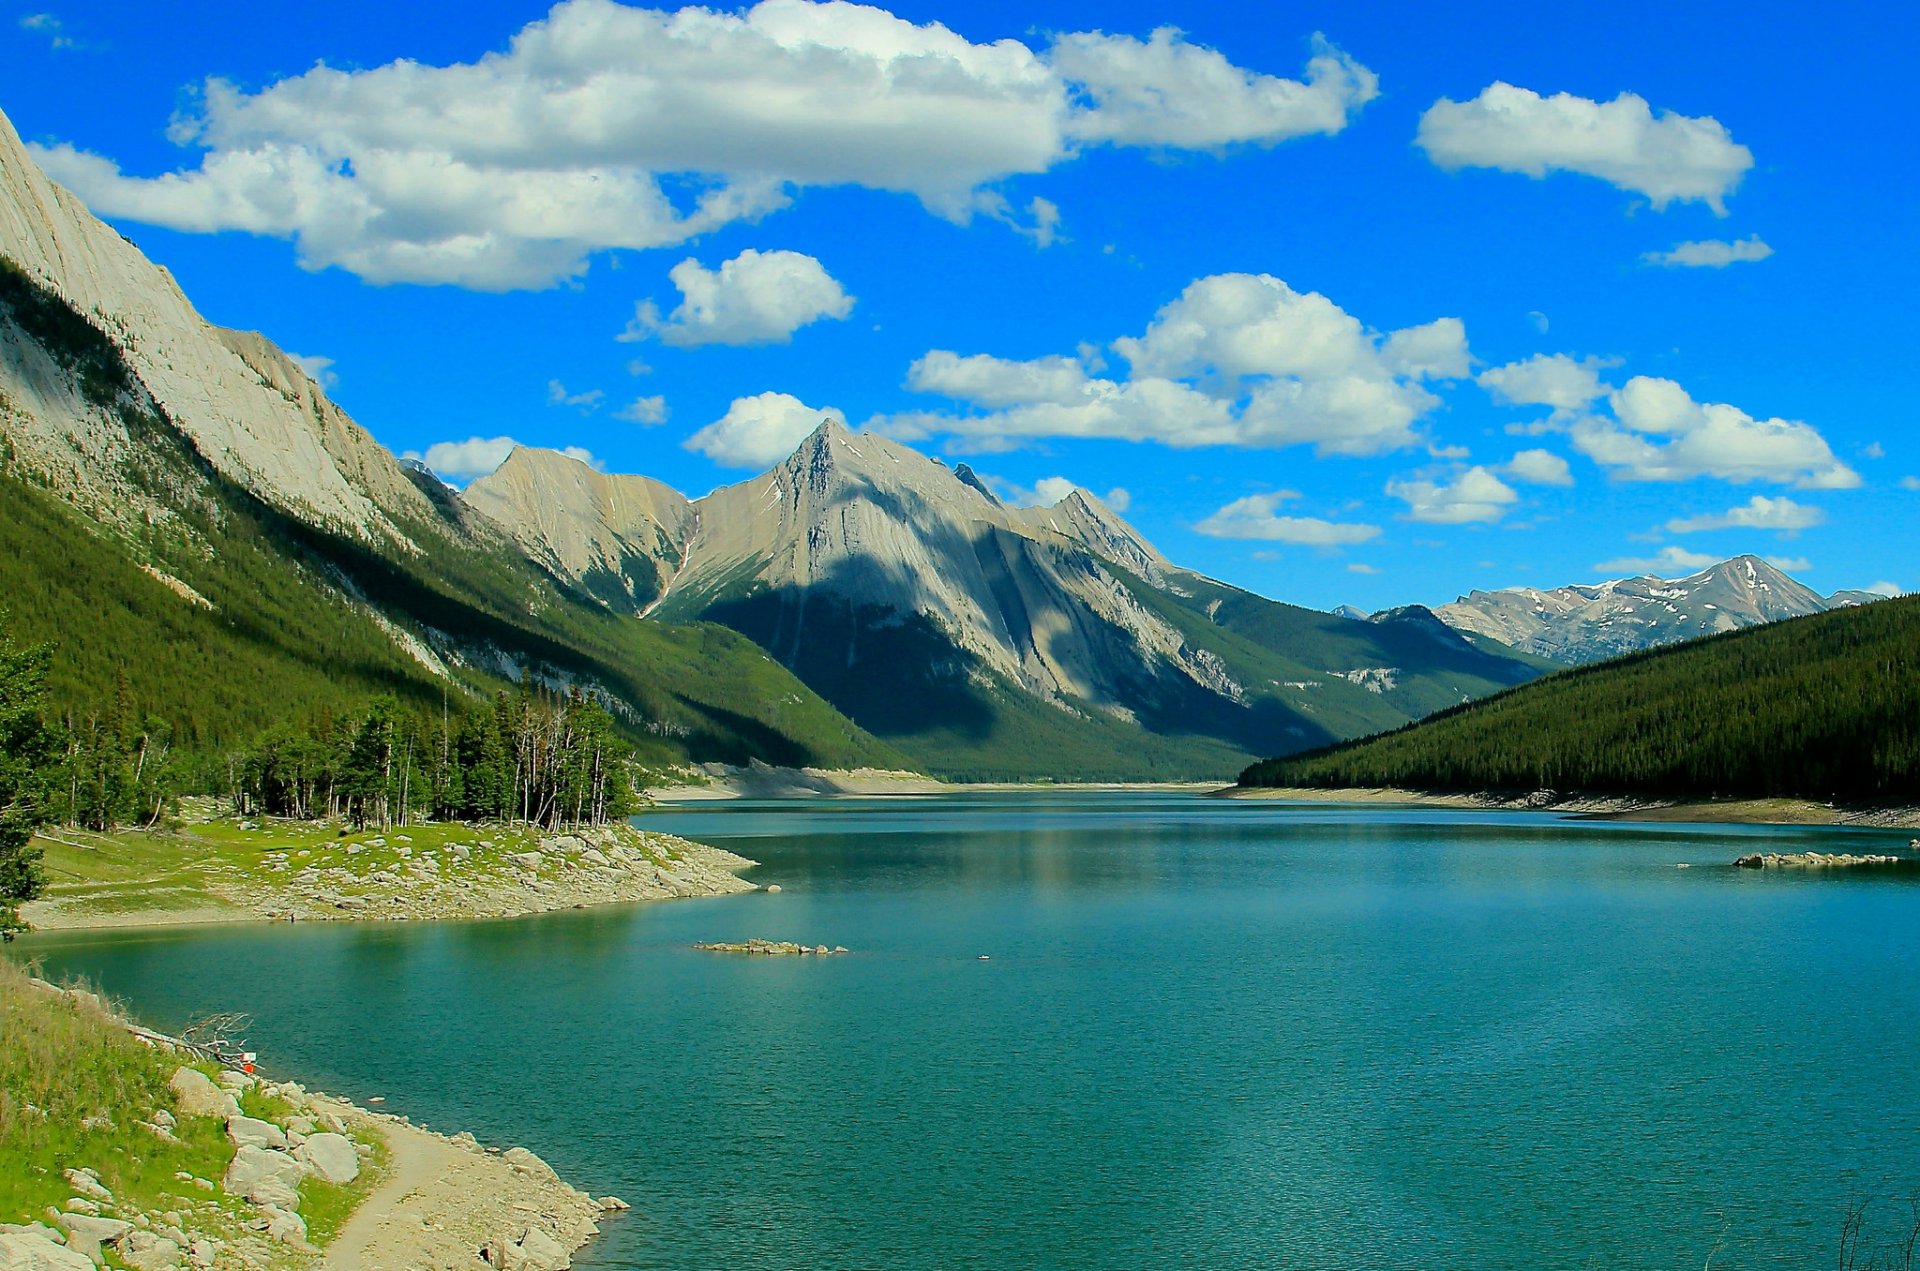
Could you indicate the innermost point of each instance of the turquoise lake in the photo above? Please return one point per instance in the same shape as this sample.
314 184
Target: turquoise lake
1208 1034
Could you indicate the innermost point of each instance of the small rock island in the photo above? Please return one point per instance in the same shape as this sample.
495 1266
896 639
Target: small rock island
770 948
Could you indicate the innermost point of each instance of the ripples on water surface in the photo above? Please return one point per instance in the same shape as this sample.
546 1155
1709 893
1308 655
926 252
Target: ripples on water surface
1210 1035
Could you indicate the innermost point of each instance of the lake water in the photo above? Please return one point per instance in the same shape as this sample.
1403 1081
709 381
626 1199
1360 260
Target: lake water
1209 1034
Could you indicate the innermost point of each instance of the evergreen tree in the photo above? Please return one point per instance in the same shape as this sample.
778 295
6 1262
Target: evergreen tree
370 771
26 747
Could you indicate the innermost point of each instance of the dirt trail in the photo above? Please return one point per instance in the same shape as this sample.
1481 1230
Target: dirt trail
444 1200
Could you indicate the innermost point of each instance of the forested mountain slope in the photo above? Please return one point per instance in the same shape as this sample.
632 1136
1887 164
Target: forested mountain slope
1825 707
267 558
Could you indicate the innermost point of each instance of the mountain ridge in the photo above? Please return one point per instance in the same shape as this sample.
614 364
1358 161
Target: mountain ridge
901 589
1586 622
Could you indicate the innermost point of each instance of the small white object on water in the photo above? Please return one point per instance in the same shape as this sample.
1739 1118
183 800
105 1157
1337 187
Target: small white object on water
773 889
985 958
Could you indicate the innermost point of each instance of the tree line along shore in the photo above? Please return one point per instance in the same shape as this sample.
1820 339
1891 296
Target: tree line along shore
512 804
1824 709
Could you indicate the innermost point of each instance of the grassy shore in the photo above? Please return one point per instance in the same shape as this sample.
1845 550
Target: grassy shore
212 868
109 1135
78 1091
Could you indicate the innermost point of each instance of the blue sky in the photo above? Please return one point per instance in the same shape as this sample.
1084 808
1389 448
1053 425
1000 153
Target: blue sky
1369 304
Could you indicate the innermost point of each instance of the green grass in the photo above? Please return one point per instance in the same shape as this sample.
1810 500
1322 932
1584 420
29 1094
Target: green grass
219 864
65 1063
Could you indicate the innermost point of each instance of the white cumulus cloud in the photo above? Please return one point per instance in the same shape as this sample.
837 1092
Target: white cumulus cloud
610 126
319 369
459 462
586 403
1660 433
1666 157
760 431
1758 513
1711 253
644 411
1163 91
1668 562
1476 495
1234 360
1546 379
755 298
1256 517
1539 467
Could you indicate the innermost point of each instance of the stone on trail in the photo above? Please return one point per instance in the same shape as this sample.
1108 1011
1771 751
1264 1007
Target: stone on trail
331 1158
265 1177
527 1163
30 1251
253 1132
535 1251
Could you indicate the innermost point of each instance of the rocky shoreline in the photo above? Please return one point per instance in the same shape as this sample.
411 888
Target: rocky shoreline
435 1200
478 872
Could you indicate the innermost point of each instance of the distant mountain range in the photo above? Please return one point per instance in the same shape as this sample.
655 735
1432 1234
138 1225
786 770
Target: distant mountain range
188 516
1591 622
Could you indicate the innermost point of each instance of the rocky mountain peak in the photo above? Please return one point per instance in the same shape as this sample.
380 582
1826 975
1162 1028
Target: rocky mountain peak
1587 622
620 536
248 409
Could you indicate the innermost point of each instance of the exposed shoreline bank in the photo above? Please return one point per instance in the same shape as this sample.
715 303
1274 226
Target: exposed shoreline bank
714 782
1607 807
307 872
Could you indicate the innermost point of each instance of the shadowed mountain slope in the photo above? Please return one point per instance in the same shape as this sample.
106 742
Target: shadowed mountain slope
995 642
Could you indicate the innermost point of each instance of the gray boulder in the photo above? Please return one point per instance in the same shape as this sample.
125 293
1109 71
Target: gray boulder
527 1163
331 1158
253 1132
85 1235
144 1251
30 1251
88 1184
535 1251
195 1095
265 1177
286 1226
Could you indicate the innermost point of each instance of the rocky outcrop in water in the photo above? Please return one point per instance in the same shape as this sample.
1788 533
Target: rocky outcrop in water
770 948
1815 860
